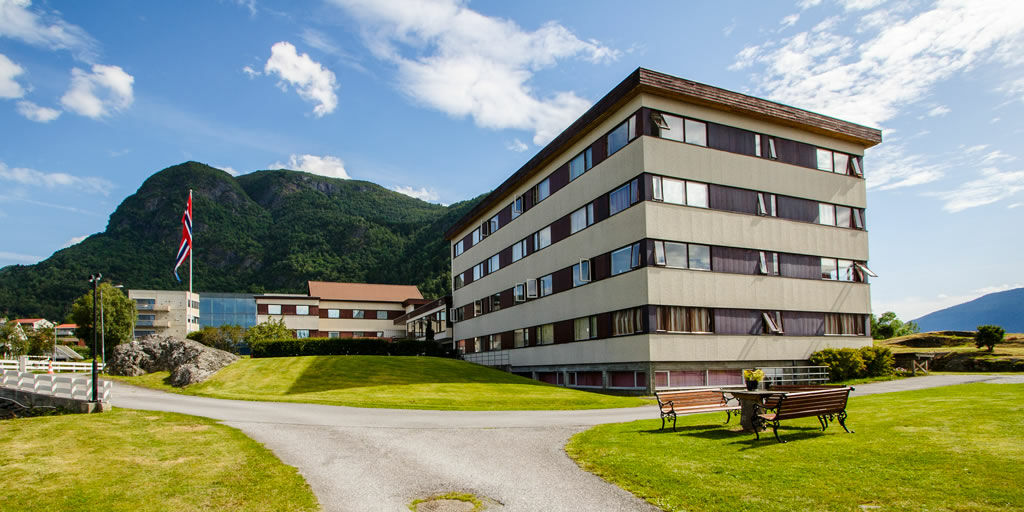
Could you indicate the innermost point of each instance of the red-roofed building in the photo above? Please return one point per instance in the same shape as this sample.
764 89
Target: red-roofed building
34 323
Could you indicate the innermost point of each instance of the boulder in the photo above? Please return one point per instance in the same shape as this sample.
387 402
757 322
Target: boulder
188 361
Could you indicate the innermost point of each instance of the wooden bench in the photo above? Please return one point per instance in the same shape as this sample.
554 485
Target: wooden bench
694 401
825 404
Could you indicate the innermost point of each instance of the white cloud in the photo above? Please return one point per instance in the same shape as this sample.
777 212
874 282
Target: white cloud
32 177
422 193
859 5
938 111
227 169
1014 205
327 165
892 168
37 113
74 240
517 145
975 148
463 63
9 88
43 29
869 81
997 156
806 4
252 73
21 258
790 20
313 82
993 185
104 91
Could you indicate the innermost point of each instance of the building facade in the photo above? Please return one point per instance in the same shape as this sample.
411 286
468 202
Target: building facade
165 312
217 309
431 317
695 232
341 310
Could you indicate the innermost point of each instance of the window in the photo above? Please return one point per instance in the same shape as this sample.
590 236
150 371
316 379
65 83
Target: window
843 216
696 133
301 310
621 135
517 207
675 255
683 319
380 334
844 270
855 165
700 257
478 271
581 218
458 248
623 197
546 287
542 191
829 269
766 205
696 194
659 253
519 250
858 218
771 149
772 322
382 314
627 321
669 126
358 313
863 271
581 273
520 292
495 302
521 338
546 334
757 144
333 334
492 225
478 308
844 324
579 165
627 379
273 309
301 333
768 263
585 328
625 259
673 190
840 162
358 334
476 236
457 281
495 342
493 264
531 288
542 238
825 162
826 214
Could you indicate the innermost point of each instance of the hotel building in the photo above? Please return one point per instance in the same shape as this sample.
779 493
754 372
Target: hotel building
672 236
165 312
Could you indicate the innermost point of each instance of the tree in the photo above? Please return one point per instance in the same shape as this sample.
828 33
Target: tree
12 339
39 342
988 336
889 326
224 337
119 316
268 331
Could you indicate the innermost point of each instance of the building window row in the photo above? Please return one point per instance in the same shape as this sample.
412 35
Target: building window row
671 127
672 191
675 255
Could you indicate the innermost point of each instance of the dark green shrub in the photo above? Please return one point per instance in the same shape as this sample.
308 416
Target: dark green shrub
347 347
878 361
988 336
843 363
85 352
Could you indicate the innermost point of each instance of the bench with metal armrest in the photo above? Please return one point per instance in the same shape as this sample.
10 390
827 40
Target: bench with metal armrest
693 401
826 404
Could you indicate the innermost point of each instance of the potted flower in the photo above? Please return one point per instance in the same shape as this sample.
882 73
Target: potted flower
753 377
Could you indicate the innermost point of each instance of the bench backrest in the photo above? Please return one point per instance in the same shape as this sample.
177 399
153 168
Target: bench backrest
790 388
812 403
690 398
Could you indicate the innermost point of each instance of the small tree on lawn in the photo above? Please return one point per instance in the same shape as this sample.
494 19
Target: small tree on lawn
988 336
272 329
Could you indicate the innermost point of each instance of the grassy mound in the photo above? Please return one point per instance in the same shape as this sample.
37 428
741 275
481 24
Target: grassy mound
953 448
957 352
389 382
128 460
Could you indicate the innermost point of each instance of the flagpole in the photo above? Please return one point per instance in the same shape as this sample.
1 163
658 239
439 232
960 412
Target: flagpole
192 245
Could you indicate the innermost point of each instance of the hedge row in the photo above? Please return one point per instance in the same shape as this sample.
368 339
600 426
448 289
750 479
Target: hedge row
347 347
850 363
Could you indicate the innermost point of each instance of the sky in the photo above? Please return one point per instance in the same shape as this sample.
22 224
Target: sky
443 100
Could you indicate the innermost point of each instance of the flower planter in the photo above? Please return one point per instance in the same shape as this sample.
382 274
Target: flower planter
752 385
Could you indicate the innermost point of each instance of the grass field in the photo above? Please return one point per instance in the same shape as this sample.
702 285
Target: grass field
955 448
128 460
391 382
947 341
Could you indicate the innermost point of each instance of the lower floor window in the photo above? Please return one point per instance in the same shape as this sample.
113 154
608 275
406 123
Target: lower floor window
302 333
844 324
683 319
627 321
333 334
495 342
521 338
627 379
546 334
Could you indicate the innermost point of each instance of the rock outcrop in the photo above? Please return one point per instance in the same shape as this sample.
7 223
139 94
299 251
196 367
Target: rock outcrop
188 361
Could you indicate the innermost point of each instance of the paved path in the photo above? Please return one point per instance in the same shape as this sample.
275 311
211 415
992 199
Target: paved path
382 459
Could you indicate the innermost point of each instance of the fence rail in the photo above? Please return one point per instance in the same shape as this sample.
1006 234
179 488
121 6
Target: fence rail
60 386
45 365
796 375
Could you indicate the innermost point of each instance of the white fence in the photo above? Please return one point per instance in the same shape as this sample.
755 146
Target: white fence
45 366
60 386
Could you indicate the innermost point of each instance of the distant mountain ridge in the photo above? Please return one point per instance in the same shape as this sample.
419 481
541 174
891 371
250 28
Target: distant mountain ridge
267 231
1005 309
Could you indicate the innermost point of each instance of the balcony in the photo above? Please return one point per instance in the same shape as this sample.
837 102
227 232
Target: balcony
152 307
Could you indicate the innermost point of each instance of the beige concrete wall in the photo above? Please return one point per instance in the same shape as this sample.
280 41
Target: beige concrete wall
172 318
357 325
296 301
680 347
625 349
308 322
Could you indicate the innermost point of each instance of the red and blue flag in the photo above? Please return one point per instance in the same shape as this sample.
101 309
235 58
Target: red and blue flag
185 249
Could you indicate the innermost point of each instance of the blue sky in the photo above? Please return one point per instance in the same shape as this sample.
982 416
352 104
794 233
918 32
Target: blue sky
444 100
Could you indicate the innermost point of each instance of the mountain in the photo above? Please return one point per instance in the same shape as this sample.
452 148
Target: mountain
268 231
1005 309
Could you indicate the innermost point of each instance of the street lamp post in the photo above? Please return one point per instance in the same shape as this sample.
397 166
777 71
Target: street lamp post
95 280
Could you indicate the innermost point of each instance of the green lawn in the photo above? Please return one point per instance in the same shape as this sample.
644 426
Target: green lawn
955 448
127 460
380 381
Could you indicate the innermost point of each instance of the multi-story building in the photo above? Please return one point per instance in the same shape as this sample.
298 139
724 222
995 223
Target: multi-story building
65 334
165 312
32 324
342 310
673 235
431 317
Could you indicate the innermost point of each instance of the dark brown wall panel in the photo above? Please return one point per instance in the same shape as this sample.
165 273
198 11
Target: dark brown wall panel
564 331
261 309
559 178
738 321
796 323
736 261
797 209
288 309
732 199
560 228
561 280
604 325
728 138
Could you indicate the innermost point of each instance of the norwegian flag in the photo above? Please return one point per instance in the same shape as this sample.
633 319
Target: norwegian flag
185 249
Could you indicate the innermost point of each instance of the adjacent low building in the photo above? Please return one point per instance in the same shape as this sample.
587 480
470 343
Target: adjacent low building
429 320
217 309
165 312
32 324
673 235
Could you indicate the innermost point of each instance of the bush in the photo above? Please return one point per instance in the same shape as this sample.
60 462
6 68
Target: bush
85 352
843 363
347 347
988 336
230 338
878 361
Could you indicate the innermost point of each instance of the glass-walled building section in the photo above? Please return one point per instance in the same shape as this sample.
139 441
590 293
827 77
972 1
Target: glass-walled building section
217 309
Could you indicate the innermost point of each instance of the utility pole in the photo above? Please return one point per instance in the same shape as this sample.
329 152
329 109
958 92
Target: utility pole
95 280
103 330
